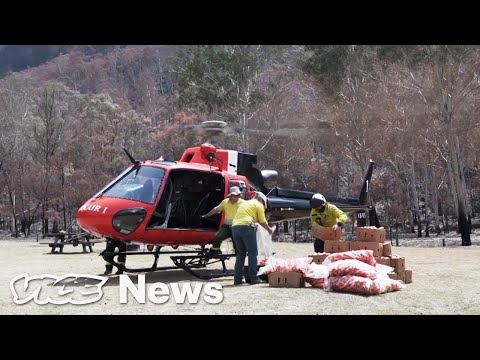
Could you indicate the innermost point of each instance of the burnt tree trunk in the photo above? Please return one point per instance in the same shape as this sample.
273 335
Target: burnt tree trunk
12 202
465 228
462 214
415 200
435 202
64 202
426 200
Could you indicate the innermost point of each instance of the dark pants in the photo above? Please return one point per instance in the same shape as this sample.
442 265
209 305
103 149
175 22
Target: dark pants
318 245
223 233
245 240
111 246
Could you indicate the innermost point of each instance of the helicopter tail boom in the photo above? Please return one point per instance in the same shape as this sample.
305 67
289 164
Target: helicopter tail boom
289 204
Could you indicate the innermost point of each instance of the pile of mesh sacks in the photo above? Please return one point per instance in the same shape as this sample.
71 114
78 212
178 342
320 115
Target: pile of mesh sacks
355 272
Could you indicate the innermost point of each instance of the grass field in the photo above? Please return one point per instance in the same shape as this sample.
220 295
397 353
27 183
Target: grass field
445 281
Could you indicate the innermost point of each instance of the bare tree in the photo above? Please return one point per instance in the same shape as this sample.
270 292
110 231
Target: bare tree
447 84
47 134
15 105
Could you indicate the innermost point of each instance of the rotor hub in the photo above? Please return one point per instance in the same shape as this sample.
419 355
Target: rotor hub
214 126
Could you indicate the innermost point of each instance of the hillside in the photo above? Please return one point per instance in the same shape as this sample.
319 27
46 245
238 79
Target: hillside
20 57
314 113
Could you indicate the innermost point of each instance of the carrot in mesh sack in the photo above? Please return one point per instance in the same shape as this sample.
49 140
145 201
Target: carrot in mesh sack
352 267
353 284
386 284
363 286
316 275
288 265
365 256
383 269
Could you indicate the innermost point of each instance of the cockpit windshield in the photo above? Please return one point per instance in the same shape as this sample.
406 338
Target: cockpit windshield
140 184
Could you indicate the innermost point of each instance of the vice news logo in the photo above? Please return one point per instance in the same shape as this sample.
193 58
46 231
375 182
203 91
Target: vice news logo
82 289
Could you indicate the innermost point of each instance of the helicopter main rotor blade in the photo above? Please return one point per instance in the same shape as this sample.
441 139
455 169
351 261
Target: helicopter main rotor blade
132 160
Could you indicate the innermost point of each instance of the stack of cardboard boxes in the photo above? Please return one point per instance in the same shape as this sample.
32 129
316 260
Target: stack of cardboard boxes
367 238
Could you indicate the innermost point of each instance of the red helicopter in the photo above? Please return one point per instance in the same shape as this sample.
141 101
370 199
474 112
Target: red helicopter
161 203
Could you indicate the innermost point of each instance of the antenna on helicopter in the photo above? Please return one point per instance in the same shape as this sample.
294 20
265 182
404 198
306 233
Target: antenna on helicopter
132 160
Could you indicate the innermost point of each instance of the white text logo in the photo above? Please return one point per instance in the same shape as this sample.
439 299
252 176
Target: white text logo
159 293
78 289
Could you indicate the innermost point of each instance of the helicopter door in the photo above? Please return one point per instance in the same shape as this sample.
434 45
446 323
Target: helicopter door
188 194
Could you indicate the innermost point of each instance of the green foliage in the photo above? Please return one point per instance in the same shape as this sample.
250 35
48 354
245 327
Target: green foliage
331 65
221 77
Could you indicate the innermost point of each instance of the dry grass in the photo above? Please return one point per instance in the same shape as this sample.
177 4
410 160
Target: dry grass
445 281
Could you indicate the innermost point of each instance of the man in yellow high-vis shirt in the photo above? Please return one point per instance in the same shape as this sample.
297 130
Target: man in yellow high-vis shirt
230 205
325 214
249 213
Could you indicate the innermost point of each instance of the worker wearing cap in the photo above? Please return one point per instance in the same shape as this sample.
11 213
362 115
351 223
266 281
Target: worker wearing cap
230 206
325 214
249 213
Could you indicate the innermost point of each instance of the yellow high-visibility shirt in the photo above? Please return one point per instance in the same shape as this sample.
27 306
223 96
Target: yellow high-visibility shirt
229 208
250 212
329 217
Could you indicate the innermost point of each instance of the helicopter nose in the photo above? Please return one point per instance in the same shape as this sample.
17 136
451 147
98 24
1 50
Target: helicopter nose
94 217
107 217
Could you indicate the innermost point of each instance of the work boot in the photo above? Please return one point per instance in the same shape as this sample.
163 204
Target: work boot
108 269
120 268
256 281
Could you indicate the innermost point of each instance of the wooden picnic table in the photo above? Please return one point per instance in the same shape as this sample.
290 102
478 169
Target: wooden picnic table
61 239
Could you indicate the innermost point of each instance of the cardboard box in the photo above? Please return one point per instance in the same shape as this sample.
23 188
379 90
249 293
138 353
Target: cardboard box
326 233
319 257
336 246
408 276
401 276
387 248
384 260
398 263
392 275
377 248
286 280
370 234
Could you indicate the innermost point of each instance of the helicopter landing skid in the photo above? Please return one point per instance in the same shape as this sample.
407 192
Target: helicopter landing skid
195 260
189 263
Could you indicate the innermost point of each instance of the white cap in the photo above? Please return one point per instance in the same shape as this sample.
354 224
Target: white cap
234 190
261 196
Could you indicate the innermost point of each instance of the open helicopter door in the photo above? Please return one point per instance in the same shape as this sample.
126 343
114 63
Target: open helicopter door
187 195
